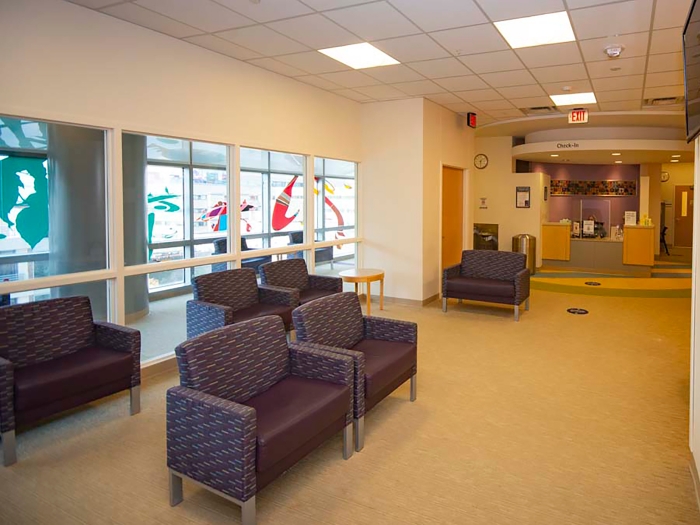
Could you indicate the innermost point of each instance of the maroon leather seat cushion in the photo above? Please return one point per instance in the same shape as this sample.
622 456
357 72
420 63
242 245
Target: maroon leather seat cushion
384 362
482 287
311 293
70 375
262 309
292 412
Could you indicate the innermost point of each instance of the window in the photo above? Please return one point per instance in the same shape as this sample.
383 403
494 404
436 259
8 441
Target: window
272 199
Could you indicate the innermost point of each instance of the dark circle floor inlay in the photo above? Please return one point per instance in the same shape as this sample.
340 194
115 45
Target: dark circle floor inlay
577 311
592 283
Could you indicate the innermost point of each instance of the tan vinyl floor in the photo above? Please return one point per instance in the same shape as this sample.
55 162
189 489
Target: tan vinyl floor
558 419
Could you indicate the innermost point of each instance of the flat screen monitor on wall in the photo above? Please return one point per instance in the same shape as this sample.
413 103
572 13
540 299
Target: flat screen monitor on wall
691 68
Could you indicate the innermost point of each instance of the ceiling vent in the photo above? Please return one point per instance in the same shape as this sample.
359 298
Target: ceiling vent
661 102
542 110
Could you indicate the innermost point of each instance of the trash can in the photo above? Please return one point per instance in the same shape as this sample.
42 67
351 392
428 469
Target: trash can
527 244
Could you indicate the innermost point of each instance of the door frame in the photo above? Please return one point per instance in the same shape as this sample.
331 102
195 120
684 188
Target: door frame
467 215
674 208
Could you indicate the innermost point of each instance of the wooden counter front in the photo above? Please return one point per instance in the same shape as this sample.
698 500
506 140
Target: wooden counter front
638 245
556 241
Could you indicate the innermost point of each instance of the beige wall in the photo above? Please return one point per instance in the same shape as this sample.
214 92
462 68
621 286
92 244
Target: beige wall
65 62
680 174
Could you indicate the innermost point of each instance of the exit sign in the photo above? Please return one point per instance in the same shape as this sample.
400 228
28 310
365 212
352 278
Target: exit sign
578 116
471 120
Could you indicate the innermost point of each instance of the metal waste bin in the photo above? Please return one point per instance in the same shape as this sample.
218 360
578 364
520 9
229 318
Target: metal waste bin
527 244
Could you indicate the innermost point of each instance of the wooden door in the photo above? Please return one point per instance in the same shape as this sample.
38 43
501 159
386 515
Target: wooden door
452 216
683 224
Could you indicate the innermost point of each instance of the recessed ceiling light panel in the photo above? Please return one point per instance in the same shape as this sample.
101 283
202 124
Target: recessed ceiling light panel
573 98
359 56
618 162
675 156
540 30
616 154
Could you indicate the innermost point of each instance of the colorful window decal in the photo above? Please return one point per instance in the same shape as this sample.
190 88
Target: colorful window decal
622 188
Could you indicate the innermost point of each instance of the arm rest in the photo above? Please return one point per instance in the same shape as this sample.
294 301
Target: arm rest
212 440
277 295
358 359
322 282
522 285
7 395
121 339
313 363
449 273
204 317
390 330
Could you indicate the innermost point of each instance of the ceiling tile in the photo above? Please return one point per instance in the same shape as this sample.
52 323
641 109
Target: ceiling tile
321 5
665 62
522 91
560 73
146 18
202 14
420 87
623 105
575 86
577 4
373 21
277 67
222 46
665 91
619 95
313 62
615 83
471 40
381 92
411 48
488 105
462 83
441 14
500 10
509 78
668 78
268 10
440 68
671 13
318 82
393 74
620 67
666 41
461 107
635 45
93 4
445 98
671 107
479 95
551 55
353 95
492 62
485 120
263 40
612 19
532 102
350 79
506 113
316 31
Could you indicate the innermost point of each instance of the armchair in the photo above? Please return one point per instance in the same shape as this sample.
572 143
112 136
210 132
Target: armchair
491 276
292 273
249 407
54 357
232 296
384 351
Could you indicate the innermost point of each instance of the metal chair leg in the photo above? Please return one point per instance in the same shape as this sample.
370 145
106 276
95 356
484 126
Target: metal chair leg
348 447
135 399
517 313
414 387
359 433
176 494
444 304
527 304
9 448
248 512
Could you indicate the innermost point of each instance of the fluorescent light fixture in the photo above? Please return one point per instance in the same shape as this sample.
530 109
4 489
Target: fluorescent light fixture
554 155
616 154
675 156
675 160
359 56
540 30
618 162
573 99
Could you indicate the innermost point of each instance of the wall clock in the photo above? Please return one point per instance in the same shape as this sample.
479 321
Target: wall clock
665 176
481 161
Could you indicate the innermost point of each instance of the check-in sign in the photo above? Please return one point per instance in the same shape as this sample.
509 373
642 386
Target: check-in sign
578 116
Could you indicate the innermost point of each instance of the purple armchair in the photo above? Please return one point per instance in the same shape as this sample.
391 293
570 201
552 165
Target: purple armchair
54 357
292 273
491 276
384 351
249 407
232 296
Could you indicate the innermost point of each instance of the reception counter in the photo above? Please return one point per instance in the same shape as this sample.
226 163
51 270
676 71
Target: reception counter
634 255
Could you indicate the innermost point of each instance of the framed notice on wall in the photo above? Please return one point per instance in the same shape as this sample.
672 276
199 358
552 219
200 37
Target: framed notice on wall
522 197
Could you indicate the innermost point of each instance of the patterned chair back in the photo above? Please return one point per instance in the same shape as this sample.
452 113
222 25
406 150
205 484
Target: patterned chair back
236 362
235 288
219 246
43 330
288 273
491 264
296 237
335 320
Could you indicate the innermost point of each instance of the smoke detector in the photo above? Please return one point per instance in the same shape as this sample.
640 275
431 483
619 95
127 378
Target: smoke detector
614 51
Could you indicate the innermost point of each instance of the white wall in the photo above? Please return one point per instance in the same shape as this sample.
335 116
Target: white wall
65 62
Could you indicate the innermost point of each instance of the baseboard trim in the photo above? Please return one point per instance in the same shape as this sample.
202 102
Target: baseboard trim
696 479
159 366
400 301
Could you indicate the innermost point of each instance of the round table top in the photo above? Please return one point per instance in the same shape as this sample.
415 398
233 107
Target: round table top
362 273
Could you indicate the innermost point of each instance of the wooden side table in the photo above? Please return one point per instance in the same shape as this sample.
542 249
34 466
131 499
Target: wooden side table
366 275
